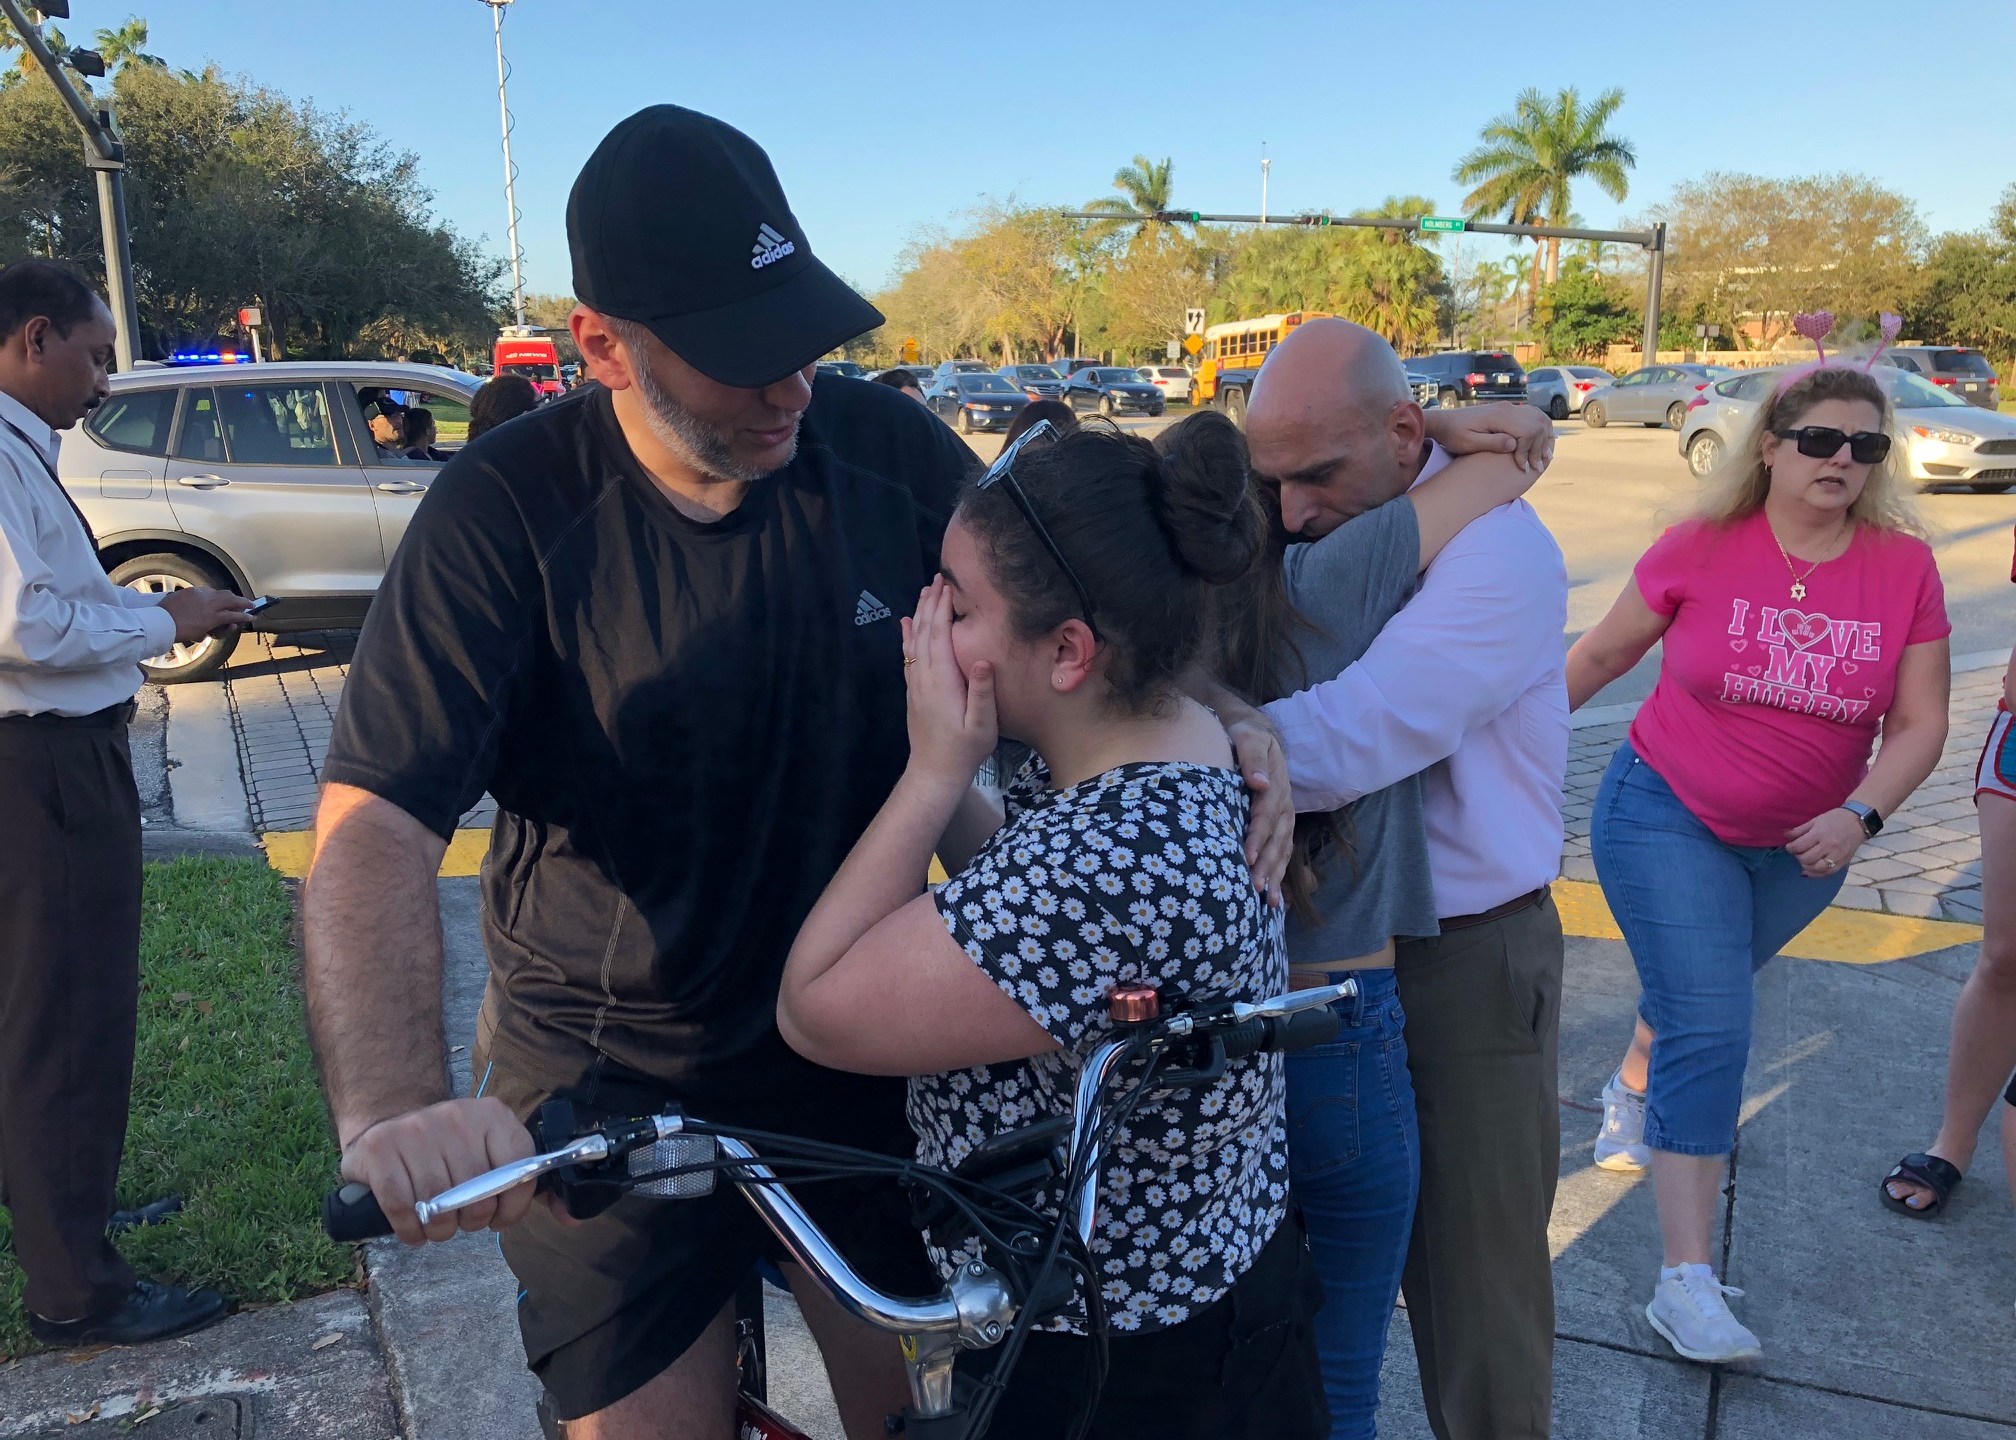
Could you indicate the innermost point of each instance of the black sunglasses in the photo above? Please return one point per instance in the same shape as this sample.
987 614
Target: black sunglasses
1823 442
1002 472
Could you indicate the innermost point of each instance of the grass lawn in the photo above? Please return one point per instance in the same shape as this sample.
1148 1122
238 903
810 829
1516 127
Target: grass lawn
226 1110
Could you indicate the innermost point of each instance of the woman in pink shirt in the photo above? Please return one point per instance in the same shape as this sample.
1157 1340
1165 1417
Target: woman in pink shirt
1800 613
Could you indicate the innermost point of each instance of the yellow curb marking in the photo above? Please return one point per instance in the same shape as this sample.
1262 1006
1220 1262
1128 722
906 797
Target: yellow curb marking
1853 937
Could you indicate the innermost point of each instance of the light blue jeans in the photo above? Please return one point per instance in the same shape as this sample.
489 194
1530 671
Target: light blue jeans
1701 918
1354 1166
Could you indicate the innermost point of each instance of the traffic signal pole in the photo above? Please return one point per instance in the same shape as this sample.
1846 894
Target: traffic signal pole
1652 241
105 154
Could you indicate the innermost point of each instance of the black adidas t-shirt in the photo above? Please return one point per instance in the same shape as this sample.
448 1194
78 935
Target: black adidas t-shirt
686 726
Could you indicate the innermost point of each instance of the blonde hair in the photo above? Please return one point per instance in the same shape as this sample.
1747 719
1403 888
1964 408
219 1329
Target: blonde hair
1736 489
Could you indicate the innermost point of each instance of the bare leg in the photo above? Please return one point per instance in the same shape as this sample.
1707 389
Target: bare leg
865 1365
1984 1020
694 1399
1638 1059
1689 1191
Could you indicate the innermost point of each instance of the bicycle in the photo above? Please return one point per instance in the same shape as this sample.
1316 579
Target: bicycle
1033 1262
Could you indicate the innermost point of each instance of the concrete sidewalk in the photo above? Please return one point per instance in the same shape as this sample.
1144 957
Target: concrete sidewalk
1871 1322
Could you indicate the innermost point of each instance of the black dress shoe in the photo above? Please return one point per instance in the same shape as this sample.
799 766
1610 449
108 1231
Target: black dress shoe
150 1214
150 1311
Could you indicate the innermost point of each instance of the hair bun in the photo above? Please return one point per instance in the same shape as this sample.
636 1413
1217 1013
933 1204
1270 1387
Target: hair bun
1205 500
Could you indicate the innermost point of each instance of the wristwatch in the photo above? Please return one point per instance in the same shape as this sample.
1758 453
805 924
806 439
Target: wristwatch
1871 821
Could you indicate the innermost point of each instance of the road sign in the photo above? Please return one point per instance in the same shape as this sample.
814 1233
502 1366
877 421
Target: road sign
1446 224
250 316
1192 343
1173 351
1193 321
910 350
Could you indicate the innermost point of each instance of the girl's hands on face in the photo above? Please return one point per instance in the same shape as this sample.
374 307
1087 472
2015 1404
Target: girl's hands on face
952 722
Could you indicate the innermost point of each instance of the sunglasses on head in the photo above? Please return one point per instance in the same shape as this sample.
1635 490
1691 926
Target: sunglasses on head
1824 442
1002 472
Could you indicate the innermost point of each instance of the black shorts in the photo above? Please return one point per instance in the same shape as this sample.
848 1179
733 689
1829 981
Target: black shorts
608 1305
1245 1365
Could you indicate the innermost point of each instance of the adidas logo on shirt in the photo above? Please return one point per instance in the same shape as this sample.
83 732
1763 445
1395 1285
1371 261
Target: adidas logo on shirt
867 610
770 247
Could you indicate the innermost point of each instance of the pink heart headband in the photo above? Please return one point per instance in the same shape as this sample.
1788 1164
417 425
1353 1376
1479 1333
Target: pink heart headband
1817 325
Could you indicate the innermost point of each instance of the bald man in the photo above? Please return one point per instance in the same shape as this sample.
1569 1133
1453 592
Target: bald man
1464 688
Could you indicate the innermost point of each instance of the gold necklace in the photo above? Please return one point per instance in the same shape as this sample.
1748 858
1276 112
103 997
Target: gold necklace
1798 580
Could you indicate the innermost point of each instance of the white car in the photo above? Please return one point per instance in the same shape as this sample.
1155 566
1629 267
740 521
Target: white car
1172 380
1946 440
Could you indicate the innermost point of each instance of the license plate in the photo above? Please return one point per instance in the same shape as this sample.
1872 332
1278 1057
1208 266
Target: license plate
1971 386
1501 379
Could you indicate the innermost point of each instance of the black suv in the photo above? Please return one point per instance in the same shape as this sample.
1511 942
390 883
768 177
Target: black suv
1470 377
1965 372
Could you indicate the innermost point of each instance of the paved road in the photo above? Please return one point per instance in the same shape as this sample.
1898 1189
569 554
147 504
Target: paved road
1606 492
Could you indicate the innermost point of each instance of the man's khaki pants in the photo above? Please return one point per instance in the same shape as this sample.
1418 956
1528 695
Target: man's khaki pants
1483 1026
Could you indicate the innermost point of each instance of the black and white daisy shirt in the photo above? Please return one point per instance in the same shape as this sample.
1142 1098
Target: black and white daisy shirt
1134 875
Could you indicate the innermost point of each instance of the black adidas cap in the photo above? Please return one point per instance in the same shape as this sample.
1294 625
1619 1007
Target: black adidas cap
678 223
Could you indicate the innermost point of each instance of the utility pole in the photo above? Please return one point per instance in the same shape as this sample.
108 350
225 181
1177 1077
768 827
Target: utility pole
104 153
1265 166
1652 241
510 170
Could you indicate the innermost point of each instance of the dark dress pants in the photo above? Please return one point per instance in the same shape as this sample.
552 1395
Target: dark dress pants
69 993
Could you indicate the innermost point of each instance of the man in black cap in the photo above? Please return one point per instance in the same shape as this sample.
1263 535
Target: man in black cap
655 619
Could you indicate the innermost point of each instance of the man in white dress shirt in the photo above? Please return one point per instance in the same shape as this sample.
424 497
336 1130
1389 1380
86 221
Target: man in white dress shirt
71 643
1465 686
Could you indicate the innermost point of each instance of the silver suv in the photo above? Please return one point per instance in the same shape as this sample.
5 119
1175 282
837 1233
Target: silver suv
263 479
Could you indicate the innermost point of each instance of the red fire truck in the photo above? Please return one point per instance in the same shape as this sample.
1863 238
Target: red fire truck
526 350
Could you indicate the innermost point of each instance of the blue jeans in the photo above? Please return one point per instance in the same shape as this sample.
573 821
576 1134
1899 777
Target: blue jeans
1354 1165
1701 918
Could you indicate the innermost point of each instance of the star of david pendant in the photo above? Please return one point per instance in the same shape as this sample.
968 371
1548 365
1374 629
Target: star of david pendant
1798 589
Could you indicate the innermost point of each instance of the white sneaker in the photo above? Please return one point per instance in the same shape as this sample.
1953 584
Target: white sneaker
1620 1144
1688 1309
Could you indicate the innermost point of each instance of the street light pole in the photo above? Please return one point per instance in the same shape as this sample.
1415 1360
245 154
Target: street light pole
1265 166
105 154
510 170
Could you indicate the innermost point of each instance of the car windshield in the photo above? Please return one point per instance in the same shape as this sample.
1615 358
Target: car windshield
987 385
1589 372
1908 392
1963 362
1115 377
1036 372
531 372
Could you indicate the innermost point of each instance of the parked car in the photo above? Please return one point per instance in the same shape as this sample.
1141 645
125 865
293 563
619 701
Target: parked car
1470 377
969 402
1965 372
1112 390
1946 440
847 368
1038 382
260 479
1071 365
1652 395
948 368
1172 380
1561 389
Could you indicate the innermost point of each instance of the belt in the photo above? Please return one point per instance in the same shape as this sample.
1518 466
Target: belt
112 717
1496 912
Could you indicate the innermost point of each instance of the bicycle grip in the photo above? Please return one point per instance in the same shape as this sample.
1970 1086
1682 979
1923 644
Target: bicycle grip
352 1213
1306 1029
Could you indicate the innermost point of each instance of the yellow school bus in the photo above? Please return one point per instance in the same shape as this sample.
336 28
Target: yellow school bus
1242 345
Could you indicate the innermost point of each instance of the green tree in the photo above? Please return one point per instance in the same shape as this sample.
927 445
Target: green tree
1582 314
1969 291
1145 187
126 45
1530 159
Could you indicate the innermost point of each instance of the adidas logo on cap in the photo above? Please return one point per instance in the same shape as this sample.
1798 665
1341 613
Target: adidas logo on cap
867 610
770 247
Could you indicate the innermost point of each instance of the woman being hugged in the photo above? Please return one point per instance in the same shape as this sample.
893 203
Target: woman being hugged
1801 614
1074 595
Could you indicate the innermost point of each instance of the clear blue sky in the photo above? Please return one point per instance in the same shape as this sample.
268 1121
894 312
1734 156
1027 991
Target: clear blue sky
886 117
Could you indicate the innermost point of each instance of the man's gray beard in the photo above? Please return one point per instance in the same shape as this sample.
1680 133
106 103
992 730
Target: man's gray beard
690 438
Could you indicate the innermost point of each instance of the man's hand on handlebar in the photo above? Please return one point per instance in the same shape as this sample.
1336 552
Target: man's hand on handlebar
418 1155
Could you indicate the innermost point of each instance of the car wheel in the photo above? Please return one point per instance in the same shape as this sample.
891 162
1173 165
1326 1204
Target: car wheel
963 423
1235 407
1446 398
1593 416
1676 415
160 575
1704 452
1557 408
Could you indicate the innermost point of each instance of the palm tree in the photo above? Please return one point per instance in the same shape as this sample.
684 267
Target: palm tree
124 44
1144 187
10 40
1530 159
